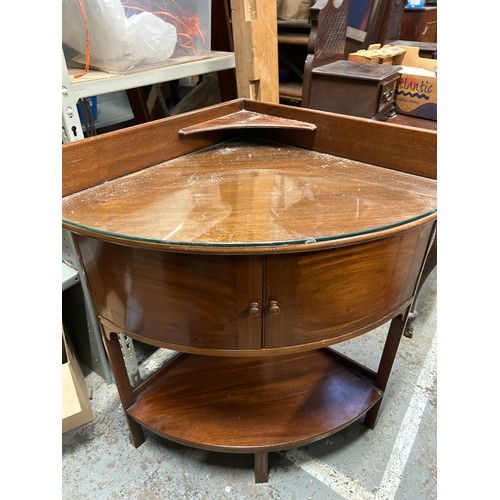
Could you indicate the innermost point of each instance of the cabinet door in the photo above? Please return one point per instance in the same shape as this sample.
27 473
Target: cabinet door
323 295
175 299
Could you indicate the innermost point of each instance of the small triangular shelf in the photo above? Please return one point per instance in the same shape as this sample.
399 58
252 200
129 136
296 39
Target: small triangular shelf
246 119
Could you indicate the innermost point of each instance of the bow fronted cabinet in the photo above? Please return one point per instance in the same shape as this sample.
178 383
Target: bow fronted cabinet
251 238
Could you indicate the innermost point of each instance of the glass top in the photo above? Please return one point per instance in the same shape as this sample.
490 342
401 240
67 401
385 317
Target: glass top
247 192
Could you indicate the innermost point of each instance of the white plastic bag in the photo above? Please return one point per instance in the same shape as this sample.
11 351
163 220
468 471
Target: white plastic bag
117 42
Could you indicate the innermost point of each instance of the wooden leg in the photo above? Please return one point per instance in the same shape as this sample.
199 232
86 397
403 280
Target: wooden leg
261 467
385 366
123 386
372 415
430 264
136 435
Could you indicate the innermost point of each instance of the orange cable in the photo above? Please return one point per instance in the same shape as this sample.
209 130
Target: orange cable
159 13
87 41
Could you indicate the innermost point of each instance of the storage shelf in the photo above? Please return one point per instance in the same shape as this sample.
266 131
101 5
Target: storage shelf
254 403
100 82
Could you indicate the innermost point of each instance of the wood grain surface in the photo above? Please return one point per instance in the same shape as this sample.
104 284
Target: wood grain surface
249 192
243 404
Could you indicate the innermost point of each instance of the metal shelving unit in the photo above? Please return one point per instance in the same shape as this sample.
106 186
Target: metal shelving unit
96 83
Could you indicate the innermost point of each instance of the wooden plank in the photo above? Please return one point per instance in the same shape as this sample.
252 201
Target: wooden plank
256 49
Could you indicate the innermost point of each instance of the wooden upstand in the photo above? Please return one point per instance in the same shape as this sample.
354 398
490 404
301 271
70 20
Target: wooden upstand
251 237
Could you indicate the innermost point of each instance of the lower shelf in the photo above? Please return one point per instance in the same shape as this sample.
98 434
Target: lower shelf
243 405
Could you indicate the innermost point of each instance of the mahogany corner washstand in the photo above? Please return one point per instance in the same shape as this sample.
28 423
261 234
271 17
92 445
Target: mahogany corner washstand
250 237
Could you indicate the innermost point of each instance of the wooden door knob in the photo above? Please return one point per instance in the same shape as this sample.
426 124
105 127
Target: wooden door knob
274 307
254 309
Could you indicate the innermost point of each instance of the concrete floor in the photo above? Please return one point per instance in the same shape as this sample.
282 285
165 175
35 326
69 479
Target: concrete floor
396 460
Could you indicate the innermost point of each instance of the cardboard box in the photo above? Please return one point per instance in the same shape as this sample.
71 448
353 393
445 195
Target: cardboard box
76 409
375 54
416 94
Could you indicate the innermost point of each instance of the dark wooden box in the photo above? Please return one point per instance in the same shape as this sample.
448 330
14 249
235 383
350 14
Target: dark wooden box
356 89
